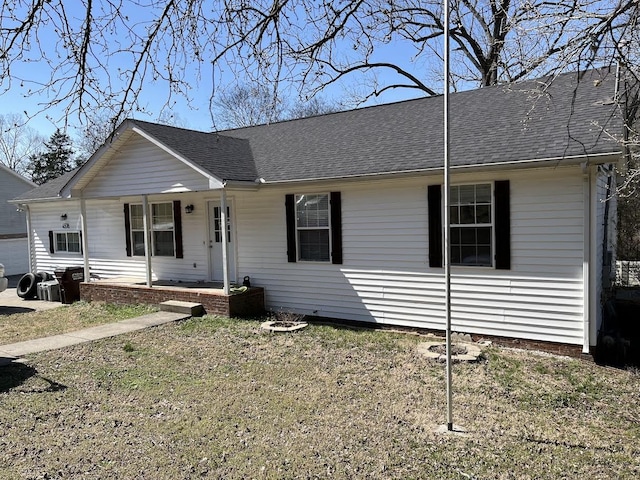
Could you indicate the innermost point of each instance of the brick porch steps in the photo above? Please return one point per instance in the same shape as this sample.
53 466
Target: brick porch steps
178 306
214 301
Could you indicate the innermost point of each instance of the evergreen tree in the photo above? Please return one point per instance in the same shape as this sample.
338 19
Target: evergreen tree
55 161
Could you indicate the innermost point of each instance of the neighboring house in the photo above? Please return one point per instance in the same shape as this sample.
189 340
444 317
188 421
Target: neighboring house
14 253
340 215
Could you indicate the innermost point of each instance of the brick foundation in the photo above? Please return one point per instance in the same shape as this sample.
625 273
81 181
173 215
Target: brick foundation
539 345
215 302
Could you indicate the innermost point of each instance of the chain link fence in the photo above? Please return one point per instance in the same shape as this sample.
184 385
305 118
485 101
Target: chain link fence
627 273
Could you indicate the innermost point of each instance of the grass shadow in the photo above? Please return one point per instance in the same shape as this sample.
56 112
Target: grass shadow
14 310
16 374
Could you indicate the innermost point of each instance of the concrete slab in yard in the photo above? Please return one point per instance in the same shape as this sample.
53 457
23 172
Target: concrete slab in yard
11 303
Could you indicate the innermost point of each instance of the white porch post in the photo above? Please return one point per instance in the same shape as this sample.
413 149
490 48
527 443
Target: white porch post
32 259
85 239
147 239
225 240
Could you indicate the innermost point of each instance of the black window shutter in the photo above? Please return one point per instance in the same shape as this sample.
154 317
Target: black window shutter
127 229
336 228
52 248
503 225
290 207
80 236
434 200
177 225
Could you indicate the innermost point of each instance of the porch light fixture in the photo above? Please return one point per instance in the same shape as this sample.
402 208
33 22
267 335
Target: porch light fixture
63 216
188 209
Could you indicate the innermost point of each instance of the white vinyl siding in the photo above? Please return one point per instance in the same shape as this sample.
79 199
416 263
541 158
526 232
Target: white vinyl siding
153 171
385 275
15 255
11 185
106 239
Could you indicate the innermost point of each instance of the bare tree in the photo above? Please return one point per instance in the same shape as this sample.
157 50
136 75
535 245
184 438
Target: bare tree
17 142
244 105
97 129
314 106
101 53
100 126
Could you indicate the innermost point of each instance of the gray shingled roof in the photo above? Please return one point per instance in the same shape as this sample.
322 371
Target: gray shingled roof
223 156
517 122
527 121
51 189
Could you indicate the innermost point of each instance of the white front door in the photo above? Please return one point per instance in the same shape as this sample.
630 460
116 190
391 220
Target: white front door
215 241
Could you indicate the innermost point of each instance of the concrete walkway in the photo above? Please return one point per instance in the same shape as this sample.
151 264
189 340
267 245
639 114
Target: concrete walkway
12 352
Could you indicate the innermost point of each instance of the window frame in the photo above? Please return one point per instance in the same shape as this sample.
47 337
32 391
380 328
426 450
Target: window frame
217 224
66 234
152 229
491 225
327 228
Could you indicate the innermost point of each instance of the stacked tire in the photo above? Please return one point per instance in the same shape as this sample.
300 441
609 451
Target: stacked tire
28 284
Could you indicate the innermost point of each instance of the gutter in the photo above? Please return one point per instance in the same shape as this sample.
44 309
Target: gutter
515 164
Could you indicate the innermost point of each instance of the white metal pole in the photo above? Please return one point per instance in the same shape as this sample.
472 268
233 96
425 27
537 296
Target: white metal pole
447 220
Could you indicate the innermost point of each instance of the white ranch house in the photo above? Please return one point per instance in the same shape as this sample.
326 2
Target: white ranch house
339 215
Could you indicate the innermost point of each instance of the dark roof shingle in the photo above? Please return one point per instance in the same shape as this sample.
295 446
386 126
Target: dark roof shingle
511 123
533 120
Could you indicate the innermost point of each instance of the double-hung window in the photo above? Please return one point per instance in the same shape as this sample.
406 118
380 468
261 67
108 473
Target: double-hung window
471 225
67 242
161 229
313 227
480 225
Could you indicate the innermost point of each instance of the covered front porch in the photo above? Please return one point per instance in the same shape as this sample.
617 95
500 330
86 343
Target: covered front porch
239 302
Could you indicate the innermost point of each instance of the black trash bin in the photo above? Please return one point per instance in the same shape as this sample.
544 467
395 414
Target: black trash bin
69 279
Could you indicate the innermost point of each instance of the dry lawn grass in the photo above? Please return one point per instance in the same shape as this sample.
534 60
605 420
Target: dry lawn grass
216 398
27 326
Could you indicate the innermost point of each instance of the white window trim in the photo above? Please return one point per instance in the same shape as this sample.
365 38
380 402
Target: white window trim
492 253
298 229
66 232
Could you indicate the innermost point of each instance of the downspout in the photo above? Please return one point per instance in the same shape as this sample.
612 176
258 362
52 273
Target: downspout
85 240
225 240
147 240
586 257
606 258
594 290
32 260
